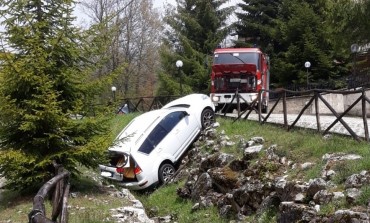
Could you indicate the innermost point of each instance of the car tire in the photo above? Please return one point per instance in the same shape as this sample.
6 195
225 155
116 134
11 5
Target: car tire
207 118
166 172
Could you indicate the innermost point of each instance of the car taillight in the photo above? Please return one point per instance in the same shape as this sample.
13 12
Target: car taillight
120 170
137 170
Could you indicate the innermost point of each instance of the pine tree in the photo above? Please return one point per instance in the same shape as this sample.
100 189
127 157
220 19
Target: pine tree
292 32
196 29
44 81
257 24
304 36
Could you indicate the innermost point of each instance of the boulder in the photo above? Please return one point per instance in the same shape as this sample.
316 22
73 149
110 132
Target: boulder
315 185
291 212
201 186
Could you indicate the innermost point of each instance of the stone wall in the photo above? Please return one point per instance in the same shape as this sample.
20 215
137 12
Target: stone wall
349 99
339 102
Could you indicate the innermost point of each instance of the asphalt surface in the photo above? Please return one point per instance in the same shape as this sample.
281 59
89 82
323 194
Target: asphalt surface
309 121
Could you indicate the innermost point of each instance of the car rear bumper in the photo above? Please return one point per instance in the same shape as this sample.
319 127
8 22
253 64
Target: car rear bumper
111 174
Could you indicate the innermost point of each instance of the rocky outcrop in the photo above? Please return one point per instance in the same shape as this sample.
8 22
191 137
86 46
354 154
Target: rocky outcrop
257 182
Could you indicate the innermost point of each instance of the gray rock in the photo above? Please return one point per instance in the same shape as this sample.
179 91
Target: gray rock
352 195
201 187
338 195
356 180
315 185
259 140
323 197
226 211
292 212
350 216
306 165
252 152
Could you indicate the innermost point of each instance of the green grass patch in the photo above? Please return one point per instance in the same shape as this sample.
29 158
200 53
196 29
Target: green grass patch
165 202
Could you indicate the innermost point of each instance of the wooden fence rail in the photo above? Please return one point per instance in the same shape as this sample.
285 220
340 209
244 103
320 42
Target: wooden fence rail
316 96
141 104
59 185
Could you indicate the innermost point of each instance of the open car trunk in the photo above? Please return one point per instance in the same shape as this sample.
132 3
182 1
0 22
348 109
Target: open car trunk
124 163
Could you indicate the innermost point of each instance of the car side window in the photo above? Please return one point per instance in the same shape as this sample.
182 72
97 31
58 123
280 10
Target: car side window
161 130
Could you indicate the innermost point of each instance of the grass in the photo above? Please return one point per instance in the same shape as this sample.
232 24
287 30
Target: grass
164 202
299 145
89 204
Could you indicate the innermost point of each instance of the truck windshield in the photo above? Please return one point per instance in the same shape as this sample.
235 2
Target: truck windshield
237 58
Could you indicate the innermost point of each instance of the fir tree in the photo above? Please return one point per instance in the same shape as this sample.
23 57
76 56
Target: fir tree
44 81
304 36
257 24
196 29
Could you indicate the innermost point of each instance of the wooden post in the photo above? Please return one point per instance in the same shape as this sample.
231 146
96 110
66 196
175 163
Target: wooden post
285 110
364 114
259 105
57 196
317 112
238 101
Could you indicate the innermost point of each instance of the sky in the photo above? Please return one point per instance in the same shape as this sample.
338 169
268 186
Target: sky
160 3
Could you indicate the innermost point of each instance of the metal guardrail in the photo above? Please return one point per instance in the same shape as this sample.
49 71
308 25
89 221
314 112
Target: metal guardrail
316 95
59 185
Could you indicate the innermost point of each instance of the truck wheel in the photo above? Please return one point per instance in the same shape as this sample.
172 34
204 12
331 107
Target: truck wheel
264 109
166 172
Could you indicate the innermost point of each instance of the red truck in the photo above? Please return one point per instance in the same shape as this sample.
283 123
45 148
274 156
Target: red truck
245 70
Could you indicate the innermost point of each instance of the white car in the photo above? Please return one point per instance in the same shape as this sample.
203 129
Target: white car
148 149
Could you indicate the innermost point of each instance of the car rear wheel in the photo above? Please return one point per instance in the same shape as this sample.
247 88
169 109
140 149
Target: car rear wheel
207 118
166 172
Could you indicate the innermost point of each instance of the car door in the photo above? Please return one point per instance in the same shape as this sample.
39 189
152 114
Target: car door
183 128
162 138
171 135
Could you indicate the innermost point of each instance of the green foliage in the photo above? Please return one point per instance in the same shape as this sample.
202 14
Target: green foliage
292 32
196 29
364 196
257 24
45 81
332 207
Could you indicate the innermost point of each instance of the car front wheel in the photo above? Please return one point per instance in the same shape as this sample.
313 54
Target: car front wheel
207 118
166 172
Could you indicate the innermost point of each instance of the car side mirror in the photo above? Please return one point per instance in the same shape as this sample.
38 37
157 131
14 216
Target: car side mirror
186 113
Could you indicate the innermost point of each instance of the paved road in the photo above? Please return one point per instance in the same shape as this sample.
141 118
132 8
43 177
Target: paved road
309 121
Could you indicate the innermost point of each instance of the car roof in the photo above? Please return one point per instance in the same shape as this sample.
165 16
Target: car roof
186 101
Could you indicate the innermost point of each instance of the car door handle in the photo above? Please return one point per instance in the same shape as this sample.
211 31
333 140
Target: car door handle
159 150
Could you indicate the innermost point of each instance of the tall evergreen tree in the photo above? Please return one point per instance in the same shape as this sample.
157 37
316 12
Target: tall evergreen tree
196 28
304 36
292 32
44 80
257 24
